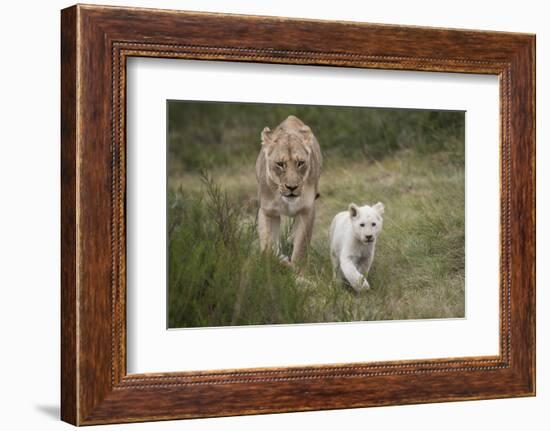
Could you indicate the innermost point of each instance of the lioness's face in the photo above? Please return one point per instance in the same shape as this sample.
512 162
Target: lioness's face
288 156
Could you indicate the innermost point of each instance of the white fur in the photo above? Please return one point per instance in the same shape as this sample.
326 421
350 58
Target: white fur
353 236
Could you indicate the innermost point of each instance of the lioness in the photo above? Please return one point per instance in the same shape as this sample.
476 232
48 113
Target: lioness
288 169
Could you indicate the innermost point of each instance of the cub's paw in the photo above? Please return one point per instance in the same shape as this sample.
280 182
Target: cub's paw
361 286
365 285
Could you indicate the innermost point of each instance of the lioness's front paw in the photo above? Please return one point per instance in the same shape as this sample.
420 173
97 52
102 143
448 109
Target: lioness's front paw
365 285
285 260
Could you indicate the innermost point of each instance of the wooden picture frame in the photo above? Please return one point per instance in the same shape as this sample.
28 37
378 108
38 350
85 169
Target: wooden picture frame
95 43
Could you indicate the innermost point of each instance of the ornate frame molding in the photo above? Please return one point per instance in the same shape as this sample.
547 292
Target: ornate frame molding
96 41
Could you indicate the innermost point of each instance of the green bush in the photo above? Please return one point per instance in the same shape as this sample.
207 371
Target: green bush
205 135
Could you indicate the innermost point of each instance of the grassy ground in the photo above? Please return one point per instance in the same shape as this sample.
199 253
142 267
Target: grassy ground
217 276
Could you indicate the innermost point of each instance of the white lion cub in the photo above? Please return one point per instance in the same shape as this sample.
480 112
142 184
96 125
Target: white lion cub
353 235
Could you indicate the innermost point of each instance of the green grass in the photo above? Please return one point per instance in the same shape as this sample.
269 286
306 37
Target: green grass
218 277
412 160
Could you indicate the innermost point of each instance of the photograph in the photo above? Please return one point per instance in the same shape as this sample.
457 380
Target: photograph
300 214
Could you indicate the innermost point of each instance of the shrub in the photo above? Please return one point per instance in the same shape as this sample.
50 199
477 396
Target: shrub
217 276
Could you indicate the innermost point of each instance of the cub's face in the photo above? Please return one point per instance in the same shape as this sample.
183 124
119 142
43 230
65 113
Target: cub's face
288 159
366 221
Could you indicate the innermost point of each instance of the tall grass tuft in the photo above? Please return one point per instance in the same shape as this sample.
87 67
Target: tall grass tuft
217 276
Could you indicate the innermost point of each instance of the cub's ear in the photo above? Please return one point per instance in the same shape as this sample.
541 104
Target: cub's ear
266 136
353 210
379 207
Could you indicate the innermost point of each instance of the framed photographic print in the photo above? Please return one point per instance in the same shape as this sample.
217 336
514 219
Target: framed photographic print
265 215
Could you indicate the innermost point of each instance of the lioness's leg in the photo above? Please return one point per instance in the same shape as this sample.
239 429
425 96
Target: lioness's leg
303 228
268 230
275 226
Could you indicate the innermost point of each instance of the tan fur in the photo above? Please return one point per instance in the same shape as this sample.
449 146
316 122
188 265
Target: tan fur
288 170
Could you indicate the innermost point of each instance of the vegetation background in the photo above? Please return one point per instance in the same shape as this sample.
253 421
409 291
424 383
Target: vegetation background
412 160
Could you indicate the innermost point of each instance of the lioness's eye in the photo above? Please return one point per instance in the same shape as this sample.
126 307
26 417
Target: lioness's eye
362 225
373 224
300 163
280 164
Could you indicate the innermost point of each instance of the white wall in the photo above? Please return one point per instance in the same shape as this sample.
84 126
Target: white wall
29 214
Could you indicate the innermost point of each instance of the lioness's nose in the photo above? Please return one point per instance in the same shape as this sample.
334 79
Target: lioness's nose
291 188
368 237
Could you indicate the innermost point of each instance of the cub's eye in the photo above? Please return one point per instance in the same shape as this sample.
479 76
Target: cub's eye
300 163
280 165
373 224
362 225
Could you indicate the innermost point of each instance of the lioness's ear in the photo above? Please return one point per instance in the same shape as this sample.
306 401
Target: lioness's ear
379 207
306 132
353 210
266 135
